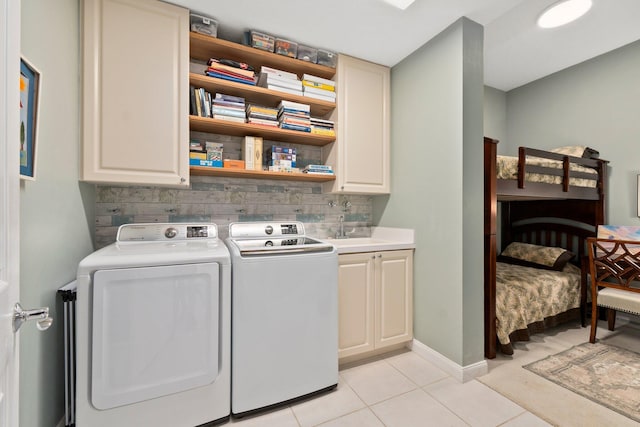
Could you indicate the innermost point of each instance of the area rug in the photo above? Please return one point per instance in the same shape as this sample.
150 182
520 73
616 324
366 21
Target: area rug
603 373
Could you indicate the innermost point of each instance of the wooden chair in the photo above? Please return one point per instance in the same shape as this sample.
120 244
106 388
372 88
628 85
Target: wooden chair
614 266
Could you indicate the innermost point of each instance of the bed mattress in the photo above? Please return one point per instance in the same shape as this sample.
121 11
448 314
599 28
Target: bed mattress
526 295
507 168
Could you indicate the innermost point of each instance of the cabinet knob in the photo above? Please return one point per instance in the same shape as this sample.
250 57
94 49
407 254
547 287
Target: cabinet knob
182 180
379 255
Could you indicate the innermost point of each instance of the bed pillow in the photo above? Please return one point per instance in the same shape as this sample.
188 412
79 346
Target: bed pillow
571 150
546 257
590 153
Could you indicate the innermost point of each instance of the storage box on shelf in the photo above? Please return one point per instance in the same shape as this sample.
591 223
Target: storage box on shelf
202 48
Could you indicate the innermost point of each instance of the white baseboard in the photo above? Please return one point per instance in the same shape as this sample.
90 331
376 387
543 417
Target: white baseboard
460 373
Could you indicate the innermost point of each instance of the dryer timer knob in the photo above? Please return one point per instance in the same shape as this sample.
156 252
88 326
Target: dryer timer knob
170 233
268 229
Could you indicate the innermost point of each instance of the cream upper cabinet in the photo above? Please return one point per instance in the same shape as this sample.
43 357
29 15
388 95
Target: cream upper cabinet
375 300
360 155
135 92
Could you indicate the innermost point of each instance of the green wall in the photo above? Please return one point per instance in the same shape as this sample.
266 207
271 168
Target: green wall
595 104
55 230
436 186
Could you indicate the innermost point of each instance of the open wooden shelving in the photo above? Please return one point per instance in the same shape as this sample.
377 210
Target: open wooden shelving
243 173
202 48
227 127
259 95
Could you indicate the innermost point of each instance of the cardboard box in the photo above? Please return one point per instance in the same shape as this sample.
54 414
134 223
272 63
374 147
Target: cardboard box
233 164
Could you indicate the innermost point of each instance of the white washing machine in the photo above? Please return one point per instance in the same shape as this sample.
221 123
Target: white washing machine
284 315
153 329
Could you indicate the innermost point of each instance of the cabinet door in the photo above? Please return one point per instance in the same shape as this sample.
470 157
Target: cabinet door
135 92
355 303
361 151
394 297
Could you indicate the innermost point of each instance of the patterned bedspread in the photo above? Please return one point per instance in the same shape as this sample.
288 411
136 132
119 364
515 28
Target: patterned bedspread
525 295
507 168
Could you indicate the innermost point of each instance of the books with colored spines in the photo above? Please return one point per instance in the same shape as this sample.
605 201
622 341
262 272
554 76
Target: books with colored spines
318 169
222 65
232 78
316 79
274 81
294 116
252 152
228 107
325 95
276 72
280 158
322 127
317 85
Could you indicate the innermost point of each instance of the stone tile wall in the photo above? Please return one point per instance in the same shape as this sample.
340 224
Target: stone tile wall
226 200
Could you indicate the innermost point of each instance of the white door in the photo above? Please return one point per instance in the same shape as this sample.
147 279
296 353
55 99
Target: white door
9 207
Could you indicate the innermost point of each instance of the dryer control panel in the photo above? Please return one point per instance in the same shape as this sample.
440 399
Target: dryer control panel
166 232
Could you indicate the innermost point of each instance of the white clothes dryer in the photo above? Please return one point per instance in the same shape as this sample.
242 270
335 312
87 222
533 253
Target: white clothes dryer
153 331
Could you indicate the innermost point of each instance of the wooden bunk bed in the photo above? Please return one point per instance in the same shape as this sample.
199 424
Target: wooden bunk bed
558 214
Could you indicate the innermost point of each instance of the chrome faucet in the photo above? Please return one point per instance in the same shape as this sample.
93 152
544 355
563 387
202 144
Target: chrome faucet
341 234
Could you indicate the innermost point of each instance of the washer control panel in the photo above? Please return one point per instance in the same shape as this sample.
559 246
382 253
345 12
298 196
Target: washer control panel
166 232
265 229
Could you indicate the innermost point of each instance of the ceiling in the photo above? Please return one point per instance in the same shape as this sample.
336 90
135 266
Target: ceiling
516 51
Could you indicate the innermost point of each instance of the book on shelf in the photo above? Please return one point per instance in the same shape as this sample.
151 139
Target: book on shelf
299 128
228 104
266 80
268 70
318 91
229 98
324 86
294 106
318 167
229 118
248 152
198 102
312 78
193 110
231 78
228 112
259 109
229 73
284 90
200 162
323 122
215 63
322 131
320 97
262 122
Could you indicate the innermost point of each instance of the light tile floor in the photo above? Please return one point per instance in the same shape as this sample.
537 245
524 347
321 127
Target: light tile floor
406 390
402 390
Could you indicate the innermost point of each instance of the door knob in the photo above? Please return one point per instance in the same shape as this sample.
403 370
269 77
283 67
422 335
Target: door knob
40 314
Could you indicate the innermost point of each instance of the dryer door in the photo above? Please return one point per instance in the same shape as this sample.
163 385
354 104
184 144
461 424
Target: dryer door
155 332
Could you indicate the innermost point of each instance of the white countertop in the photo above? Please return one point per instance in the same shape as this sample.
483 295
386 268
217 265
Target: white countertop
382 239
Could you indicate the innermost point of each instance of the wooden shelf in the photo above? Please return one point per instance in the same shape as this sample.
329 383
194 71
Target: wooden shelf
205 47
243 173
259 95
206 124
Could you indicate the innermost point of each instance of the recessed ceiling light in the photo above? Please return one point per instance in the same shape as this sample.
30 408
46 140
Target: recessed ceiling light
400 4
563 12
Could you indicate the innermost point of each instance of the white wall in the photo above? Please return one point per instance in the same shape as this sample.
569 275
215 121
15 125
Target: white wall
595 104
55 231
436 113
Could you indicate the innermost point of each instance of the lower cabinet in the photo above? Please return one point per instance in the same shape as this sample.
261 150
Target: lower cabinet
375 300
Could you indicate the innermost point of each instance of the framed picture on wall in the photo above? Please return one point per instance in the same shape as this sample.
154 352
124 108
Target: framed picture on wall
29 100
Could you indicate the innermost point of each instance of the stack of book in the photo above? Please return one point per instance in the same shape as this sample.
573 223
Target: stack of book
322 127
282 81
227 107
252 153
259 115
200 102
294 116
319 88
318 169
281 159
231 70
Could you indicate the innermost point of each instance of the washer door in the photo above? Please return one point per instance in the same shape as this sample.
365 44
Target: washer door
155 332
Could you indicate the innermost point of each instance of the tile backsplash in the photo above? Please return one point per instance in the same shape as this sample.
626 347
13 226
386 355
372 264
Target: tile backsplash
226 200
